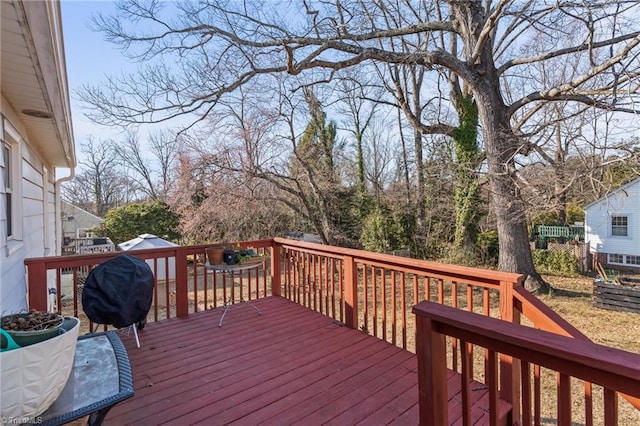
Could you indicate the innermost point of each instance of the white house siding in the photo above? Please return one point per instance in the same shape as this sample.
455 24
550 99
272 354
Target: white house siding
33 78
35 236
623 202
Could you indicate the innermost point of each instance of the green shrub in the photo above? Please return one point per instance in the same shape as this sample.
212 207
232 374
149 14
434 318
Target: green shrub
487 248
125 223
555 262
381 231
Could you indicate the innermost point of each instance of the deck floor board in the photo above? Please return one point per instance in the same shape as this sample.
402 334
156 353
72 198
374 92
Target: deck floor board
289 365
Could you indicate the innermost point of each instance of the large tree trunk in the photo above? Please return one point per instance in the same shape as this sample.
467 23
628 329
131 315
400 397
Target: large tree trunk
501 146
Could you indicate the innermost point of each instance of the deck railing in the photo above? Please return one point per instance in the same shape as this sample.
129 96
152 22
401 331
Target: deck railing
364 290
183 284
613 369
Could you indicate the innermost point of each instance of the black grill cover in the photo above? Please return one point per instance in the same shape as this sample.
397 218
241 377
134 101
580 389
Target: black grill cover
118 292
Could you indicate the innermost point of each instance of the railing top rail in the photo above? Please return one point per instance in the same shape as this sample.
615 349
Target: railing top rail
53 262
542 316
612 368
460 272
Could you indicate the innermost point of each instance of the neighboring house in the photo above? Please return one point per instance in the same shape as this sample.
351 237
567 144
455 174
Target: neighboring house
77 222
37 140
612 228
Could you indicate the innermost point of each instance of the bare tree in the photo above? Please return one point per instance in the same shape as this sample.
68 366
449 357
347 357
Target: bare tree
101 184
131 155
162 149
229 44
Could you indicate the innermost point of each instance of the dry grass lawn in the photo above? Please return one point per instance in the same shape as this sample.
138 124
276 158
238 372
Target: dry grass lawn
573 299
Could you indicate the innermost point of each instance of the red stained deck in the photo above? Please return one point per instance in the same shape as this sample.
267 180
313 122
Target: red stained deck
290 365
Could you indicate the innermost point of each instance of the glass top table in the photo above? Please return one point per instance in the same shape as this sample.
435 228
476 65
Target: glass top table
236 268
100 378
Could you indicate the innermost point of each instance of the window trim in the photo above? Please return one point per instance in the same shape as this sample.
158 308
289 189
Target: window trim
626 227
12 138
627 262
612 262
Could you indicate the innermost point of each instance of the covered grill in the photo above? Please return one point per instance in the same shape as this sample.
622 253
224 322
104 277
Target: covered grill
119 292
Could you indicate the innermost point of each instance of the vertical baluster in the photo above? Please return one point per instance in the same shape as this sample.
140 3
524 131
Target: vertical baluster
320 286
341 288
314 265
454 341
427 288
248 281
224 287
470 309
563 382
465 379
588 404
327 297
404 307
610 407
214 288
492 383
287 274
383 282
375 300
537 401
297 273
526 393
155 301
365 296
195 286
59 290
205 280
333 288
393 308
75 291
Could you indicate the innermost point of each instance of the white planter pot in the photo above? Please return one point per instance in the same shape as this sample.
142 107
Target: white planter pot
33 376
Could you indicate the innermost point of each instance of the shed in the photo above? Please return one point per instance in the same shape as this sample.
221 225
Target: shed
150 241
612 227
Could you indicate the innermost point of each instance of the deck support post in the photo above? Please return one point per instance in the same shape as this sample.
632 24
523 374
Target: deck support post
37 286
182 300
276 254
350 292
432 373
510 377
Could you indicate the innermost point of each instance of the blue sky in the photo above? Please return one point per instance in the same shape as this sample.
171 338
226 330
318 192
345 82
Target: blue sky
89 60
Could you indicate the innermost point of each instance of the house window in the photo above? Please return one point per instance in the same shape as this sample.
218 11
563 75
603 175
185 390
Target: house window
633 260
8 184
619 226
615 258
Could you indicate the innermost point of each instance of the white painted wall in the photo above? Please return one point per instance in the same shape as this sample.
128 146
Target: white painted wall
36 226
623 202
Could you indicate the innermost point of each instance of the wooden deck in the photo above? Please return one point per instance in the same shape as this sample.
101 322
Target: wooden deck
290 365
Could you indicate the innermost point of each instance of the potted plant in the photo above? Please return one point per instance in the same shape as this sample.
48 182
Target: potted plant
36 355
215 254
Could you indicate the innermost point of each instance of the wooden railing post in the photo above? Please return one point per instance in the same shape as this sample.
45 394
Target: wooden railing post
37 286
182 300
276 262
510 377
432 373
350 292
